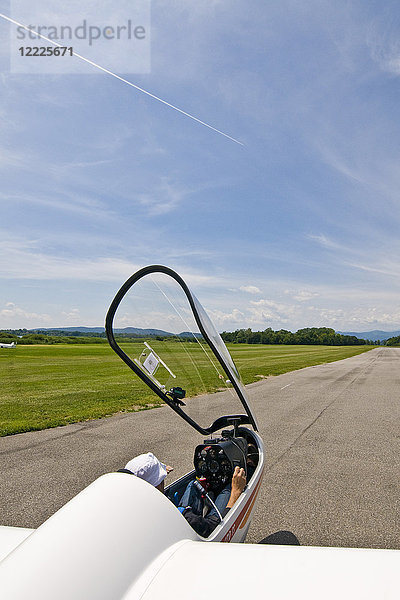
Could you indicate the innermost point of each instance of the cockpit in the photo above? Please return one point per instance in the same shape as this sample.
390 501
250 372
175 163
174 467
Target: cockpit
214 463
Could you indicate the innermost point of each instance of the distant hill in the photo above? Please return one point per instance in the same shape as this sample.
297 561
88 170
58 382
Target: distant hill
101 330
138 331
376 334
79 329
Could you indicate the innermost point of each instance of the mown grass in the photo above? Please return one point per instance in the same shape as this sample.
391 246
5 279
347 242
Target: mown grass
47 386
257 359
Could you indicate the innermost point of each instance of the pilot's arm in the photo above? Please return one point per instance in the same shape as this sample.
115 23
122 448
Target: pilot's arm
238 485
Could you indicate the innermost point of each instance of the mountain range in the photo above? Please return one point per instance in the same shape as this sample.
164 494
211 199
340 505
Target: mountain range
127 330
373 335
376 334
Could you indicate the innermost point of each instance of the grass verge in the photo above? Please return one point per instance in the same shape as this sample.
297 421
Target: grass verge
48 386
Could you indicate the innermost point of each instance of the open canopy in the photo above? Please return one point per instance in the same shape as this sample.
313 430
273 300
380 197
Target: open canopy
161 331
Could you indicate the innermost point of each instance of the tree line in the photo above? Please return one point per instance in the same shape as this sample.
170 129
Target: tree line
393 341
31 339
58 337
307 336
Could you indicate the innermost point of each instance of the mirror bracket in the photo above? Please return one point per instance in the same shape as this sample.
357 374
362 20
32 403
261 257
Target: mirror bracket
177 394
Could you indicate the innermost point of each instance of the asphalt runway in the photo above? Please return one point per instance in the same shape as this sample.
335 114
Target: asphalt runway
331 435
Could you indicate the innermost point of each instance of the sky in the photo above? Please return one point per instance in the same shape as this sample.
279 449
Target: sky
297 226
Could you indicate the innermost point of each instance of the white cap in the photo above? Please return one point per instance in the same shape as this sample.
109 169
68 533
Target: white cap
148 467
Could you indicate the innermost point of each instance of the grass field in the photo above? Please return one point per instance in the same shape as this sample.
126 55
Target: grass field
47 386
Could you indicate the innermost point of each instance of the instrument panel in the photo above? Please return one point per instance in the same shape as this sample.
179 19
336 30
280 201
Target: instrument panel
215 462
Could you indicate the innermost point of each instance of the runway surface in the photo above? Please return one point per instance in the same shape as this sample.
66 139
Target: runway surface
331 435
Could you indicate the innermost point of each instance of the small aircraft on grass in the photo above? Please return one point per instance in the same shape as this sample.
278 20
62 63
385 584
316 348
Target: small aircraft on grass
3 345
121 539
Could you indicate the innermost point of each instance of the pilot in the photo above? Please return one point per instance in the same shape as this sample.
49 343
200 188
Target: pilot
149 468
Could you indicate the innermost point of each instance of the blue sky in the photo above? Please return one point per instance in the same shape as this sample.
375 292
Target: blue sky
298 227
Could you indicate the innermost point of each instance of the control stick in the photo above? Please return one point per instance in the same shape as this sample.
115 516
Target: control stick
203 492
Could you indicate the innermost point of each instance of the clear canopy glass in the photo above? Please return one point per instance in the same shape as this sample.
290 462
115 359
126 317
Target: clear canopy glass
156 327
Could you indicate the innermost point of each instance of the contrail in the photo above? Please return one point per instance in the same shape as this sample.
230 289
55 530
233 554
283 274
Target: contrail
124 80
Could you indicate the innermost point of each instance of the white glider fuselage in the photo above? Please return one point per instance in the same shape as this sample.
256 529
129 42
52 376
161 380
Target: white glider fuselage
121 539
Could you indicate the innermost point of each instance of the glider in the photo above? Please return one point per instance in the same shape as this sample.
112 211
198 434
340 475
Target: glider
121 539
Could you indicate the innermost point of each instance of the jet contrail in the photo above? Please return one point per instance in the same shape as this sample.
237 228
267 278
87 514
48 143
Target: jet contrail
124 80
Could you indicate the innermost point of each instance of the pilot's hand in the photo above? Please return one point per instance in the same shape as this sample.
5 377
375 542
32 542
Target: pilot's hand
239 479
238 485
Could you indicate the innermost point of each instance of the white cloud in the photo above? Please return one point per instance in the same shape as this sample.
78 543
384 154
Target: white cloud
84 164
384 268
250 289
23 261
8 158
341 309
302 295
72 314
166 320
82 206
221 319
11 312
359 318
384 46
269 312
370 258
164 198
326 242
